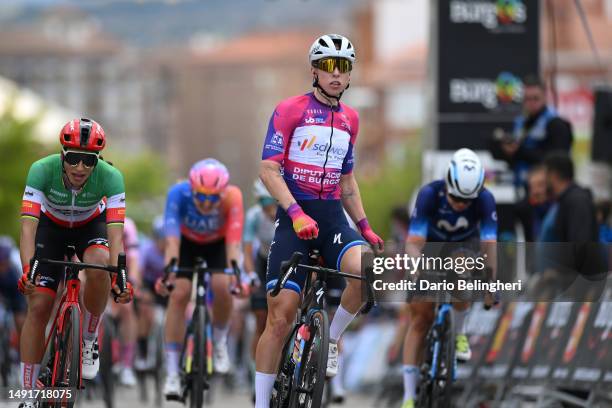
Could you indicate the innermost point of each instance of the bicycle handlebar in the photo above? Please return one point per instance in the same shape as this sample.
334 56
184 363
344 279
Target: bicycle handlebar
290 266
120 269
199 264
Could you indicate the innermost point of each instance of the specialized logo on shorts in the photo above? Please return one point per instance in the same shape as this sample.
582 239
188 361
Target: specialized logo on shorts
461 222
276 225
338 238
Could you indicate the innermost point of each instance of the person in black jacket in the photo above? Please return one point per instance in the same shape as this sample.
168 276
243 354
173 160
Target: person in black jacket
537 131
570 229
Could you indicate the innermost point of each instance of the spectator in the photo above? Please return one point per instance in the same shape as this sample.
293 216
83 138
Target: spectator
537 131
531 210
571 226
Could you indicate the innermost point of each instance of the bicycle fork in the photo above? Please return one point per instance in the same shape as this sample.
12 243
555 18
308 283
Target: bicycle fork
439 324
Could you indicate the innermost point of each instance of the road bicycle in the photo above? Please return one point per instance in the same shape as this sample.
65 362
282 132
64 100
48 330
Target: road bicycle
197 352
61 363
301 375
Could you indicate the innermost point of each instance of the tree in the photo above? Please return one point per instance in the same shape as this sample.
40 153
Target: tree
18 150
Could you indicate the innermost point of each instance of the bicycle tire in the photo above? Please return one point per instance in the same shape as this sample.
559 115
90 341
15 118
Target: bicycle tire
69 352
198 367
107 333
315 363
442 385
283 383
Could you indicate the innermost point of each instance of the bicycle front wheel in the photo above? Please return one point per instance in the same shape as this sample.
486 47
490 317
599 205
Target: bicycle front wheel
311 375
198 368
442 386
68 355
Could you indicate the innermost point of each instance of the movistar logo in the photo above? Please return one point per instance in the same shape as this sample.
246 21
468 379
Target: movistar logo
461 222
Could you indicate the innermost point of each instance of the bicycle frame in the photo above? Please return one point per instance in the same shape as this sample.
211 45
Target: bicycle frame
69 298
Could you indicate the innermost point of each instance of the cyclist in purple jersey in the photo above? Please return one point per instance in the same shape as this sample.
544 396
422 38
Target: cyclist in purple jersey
152 268
307 166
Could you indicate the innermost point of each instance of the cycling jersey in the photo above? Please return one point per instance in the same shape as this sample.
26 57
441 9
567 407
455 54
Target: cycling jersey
435 220
313 142
151 261
130 239
183 218
260 228
45 192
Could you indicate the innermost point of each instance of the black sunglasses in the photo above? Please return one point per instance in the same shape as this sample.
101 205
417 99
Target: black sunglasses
460 200
74 158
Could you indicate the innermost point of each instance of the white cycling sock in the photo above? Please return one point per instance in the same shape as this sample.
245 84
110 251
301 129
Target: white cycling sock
263 389
340 322
338 380
173 354
411 376
91 323
459 316
220 334
29 375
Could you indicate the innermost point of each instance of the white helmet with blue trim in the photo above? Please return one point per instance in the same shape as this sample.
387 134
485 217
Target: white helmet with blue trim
465 175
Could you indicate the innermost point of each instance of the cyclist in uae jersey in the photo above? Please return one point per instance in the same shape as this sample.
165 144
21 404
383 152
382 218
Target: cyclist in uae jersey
457 209
307 165
72 198
203 218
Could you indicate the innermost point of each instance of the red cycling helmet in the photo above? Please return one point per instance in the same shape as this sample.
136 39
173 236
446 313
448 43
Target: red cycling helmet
83 134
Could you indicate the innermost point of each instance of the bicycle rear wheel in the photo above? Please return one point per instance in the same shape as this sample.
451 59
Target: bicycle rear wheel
68 355
311 379
198 365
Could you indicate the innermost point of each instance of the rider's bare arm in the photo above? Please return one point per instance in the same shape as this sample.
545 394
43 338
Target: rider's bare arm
351 198
269 172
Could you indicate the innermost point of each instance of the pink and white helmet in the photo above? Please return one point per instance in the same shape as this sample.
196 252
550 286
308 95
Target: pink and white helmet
208 176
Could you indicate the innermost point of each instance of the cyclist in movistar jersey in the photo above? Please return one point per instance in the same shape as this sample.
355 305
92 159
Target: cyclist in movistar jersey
457 209
203 218
307 165
71 198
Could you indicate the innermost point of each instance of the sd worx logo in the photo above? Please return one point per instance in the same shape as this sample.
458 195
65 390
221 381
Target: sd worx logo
492 14
307 143
507 88
319 148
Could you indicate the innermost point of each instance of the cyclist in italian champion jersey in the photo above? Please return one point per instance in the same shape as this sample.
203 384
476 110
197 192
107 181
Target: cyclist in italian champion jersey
203 218
457 209
71 198
307 165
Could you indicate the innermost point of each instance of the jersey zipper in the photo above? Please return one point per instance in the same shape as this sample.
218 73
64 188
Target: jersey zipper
72 208
327 152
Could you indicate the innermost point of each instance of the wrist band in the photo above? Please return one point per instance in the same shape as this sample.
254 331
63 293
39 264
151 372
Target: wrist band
26 268
294 209
363 224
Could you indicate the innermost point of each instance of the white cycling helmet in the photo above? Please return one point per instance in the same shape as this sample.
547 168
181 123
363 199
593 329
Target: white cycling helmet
332 45
260 191
465 175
